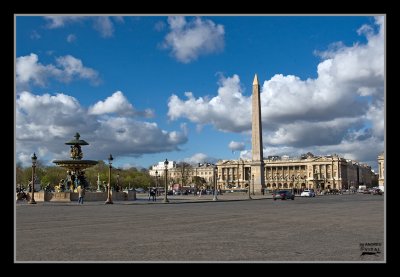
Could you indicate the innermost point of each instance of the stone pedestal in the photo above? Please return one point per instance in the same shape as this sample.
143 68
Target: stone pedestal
132 195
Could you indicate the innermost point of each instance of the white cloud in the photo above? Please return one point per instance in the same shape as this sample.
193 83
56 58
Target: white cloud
30 70
236 146
117 103
71 38
345 99
45 122
199 158
217 110
73 67
308 133
129 165
58 21
189 40
102 24
375 115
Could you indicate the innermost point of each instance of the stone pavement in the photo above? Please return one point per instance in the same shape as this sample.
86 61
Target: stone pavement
320 229
176 199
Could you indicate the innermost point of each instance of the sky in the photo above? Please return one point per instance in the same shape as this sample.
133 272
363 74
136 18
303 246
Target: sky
147 88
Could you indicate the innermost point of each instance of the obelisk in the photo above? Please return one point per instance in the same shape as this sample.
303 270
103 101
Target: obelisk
257 164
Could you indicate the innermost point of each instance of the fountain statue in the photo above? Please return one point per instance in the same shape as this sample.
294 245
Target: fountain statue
98 182
76 166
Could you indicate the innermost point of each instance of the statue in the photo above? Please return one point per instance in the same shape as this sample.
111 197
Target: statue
76 152
47 188
61 186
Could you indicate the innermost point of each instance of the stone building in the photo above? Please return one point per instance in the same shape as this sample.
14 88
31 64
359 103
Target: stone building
184 174
308 171
381 164
160 167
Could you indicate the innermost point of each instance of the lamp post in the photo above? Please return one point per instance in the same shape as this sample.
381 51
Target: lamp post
215 183
98 182
166 180
34 159
109 198
252 180
293 184
117 186
248 189
350 185
156 181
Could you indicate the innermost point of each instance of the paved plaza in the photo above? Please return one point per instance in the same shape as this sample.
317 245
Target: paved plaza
192 229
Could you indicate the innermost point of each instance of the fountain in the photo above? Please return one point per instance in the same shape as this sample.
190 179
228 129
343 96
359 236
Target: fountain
76 166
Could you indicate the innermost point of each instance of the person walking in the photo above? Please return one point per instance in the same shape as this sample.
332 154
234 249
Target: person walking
81 192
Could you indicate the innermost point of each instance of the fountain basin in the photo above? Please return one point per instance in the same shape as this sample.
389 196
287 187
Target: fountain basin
75 164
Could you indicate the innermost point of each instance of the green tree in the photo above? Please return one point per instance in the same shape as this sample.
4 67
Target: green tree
199 181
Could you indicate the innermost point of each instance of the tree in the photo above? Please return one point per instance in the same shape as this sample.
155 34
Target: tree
185 170
199 181
53 175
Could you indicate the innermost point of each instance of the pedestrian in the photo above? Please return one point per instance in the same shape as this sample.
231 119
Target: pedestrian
154 194
81 192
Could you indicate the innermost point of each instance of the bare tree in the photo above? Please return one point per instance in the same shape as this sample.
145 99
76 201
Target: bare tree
185 170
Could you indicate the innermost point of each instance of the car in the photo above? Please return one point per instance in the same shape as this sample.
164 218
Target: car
377 192
308 193
140 190
283 194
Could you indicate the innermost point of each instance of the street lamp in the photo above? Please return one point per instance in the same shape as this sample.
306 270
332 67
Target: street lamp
34 159
252 180
350 185
156 181
166 180
109 198
117 187
293 186
248 189
215 183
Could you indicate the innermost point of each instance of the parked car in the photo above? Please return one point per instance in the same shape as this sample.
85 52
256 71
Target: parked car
140 190
377 192
308 193
283 194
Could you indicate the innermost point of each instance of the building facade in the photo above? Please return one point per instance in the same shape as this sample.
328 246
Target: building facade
316 172
183 175
159 168
381 173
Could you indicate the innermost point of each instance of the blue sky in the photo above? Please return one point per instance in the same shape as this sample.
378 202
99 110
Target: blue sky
146 88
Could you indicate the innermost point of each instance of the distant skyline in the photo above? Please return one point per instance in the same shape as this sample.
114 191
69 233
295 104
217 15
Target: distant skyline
146 88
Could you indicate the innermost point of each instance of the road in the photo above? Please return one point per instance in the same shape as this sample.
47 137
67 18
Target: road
321 229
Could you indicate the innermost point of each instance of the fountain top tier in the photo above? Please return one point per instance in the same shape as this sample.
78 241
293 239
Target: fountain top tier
77 141
76 164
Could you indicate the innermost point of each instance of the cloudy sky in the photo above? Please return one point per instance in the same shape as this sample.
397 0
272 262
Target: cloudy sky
146 88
